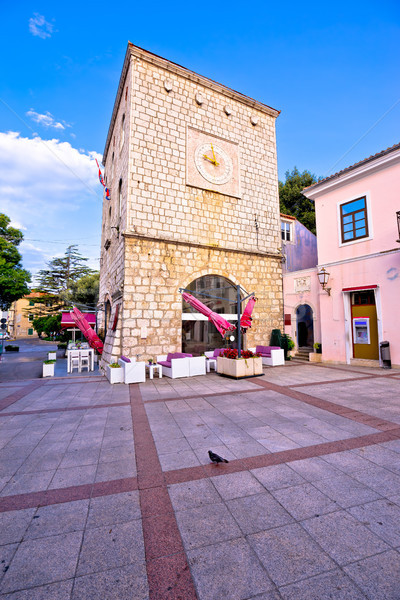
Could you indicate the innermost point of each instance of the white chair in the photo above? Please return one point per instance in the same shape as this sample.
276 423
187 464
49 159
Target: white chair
84 359
74 361
197 365
134 372
179 366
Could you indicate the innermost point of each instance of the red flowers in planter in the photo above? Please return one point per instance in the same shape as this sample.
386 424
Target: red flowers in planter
233 353
229 353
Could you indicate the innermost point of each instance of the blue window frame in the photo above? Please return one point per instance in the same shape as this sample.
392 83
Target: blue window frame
354 220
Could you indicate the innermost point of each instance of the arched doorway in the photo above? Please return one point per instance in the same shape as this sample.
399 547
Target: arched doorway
305 326
198 333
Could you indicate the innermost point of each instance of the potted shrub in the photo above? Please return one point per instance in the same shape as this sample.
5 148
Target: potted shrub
290 346
230 365
48 368
316 356
114 373
52 355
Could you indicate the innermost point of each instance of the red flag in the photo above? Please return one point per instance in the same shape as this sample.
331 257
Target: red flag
107 190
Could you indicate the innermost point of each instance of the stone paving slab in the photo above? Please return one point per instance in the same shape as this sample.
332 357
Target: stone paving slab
97 518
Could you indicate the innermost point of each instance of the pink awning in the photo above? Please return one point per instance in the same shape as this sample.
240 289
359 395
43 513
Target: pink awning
91 336
220 323
246 318
67 321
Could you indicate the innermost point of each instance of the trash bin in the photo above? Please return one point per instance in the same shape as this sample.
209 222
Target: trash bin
385 355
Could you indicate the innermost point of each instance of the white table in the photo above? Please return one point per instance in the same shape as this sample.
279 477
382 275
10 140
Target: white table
91 357
211 362
152 368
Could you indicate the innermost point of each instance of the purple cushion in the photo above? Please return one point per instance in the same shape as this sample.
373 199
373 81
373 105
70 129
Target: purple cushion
217 352
266 350
165 363
172 355
125 359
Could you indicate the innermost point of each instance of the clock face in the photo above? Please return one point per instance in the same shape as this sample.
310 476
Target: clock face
213 163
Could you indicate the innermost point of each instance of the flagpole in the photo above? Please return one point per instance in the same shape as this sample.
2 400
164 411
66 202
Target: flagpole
239 302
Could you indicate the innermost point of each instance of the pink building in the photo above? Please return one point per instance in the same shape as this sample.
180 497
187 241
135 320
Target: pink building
358 246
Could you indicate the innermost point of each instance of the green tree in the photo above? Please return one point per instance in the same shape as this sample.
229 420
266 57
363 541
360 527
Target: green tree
293 202
62 273
85 291
47 325
13 278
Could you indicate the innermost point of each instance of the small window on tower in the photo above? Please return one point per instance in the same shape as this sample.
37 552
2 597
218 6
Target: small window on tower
122 135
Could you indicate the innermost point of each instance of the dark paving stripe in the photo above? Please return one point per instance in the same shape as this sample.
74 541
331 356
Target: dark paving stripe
333 381
168 573
278 458
337 409
71 380
68 494
65 409
208 395
21 393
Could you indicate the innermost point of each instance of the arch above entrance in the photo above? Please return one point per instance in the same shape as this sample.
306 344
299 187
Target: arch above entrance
198 333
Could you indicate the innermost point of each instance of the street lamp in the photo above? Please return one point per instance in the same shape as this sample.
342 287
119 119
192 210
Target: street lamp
398 225
323 277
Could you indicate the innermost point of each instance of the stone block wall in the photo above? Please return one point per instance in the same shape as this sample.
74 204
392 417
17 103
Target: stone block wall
152 304
168 233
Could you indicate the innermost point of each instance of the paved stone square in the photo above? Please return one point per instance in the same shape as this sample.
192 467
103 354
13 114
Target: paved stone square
108 492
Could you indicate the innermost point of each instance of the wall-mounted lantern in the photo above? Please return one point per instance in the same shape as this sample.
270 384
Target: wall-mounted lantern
398 224
323 277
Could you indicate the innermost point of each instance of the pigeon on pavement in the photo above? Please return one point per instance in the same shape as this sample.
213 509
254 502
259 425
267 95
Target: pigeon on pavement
215 458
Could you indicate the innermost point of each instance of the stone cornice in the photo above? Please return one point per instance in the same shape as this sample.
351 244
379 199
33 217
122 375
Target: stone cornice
188 244
167 65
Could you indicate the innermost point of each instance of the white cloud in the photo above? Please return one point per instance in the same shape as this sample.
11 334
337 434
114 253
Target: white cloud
46 119
38 26
17 225
51 191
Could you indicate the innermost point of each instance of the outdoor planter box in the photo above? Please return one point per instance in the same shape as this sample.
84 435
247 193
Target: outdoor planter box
315 357
48 370
115 374
52 355
239 368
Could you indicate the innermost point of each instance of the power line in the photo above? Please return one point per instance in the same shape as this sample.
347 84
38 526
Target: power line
362 137
61 242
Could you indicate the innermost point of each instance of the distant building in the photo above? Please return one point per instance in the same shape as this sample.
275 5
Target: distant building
358 248
299 245
192 169
22 312
300 258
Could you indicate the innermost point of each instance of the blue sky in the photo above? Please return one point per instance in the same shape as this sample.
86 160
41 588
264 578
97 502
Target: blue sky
331 68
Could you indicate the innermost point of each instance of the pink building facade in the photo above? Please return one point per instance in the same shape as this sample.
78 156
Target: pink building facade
358 246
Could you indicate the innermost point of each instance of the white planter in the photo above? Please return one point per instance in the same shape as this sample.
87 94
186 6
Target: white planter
238 368
48 370
52 355
114 374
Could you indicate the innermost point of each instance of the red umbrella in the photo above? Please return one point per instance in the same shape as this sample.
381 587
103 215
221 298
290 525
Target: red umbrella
91 336
220 323
246 318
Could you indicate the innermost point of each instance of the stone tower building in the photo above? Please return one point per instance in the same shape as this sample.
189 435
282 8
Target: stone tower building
192 169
